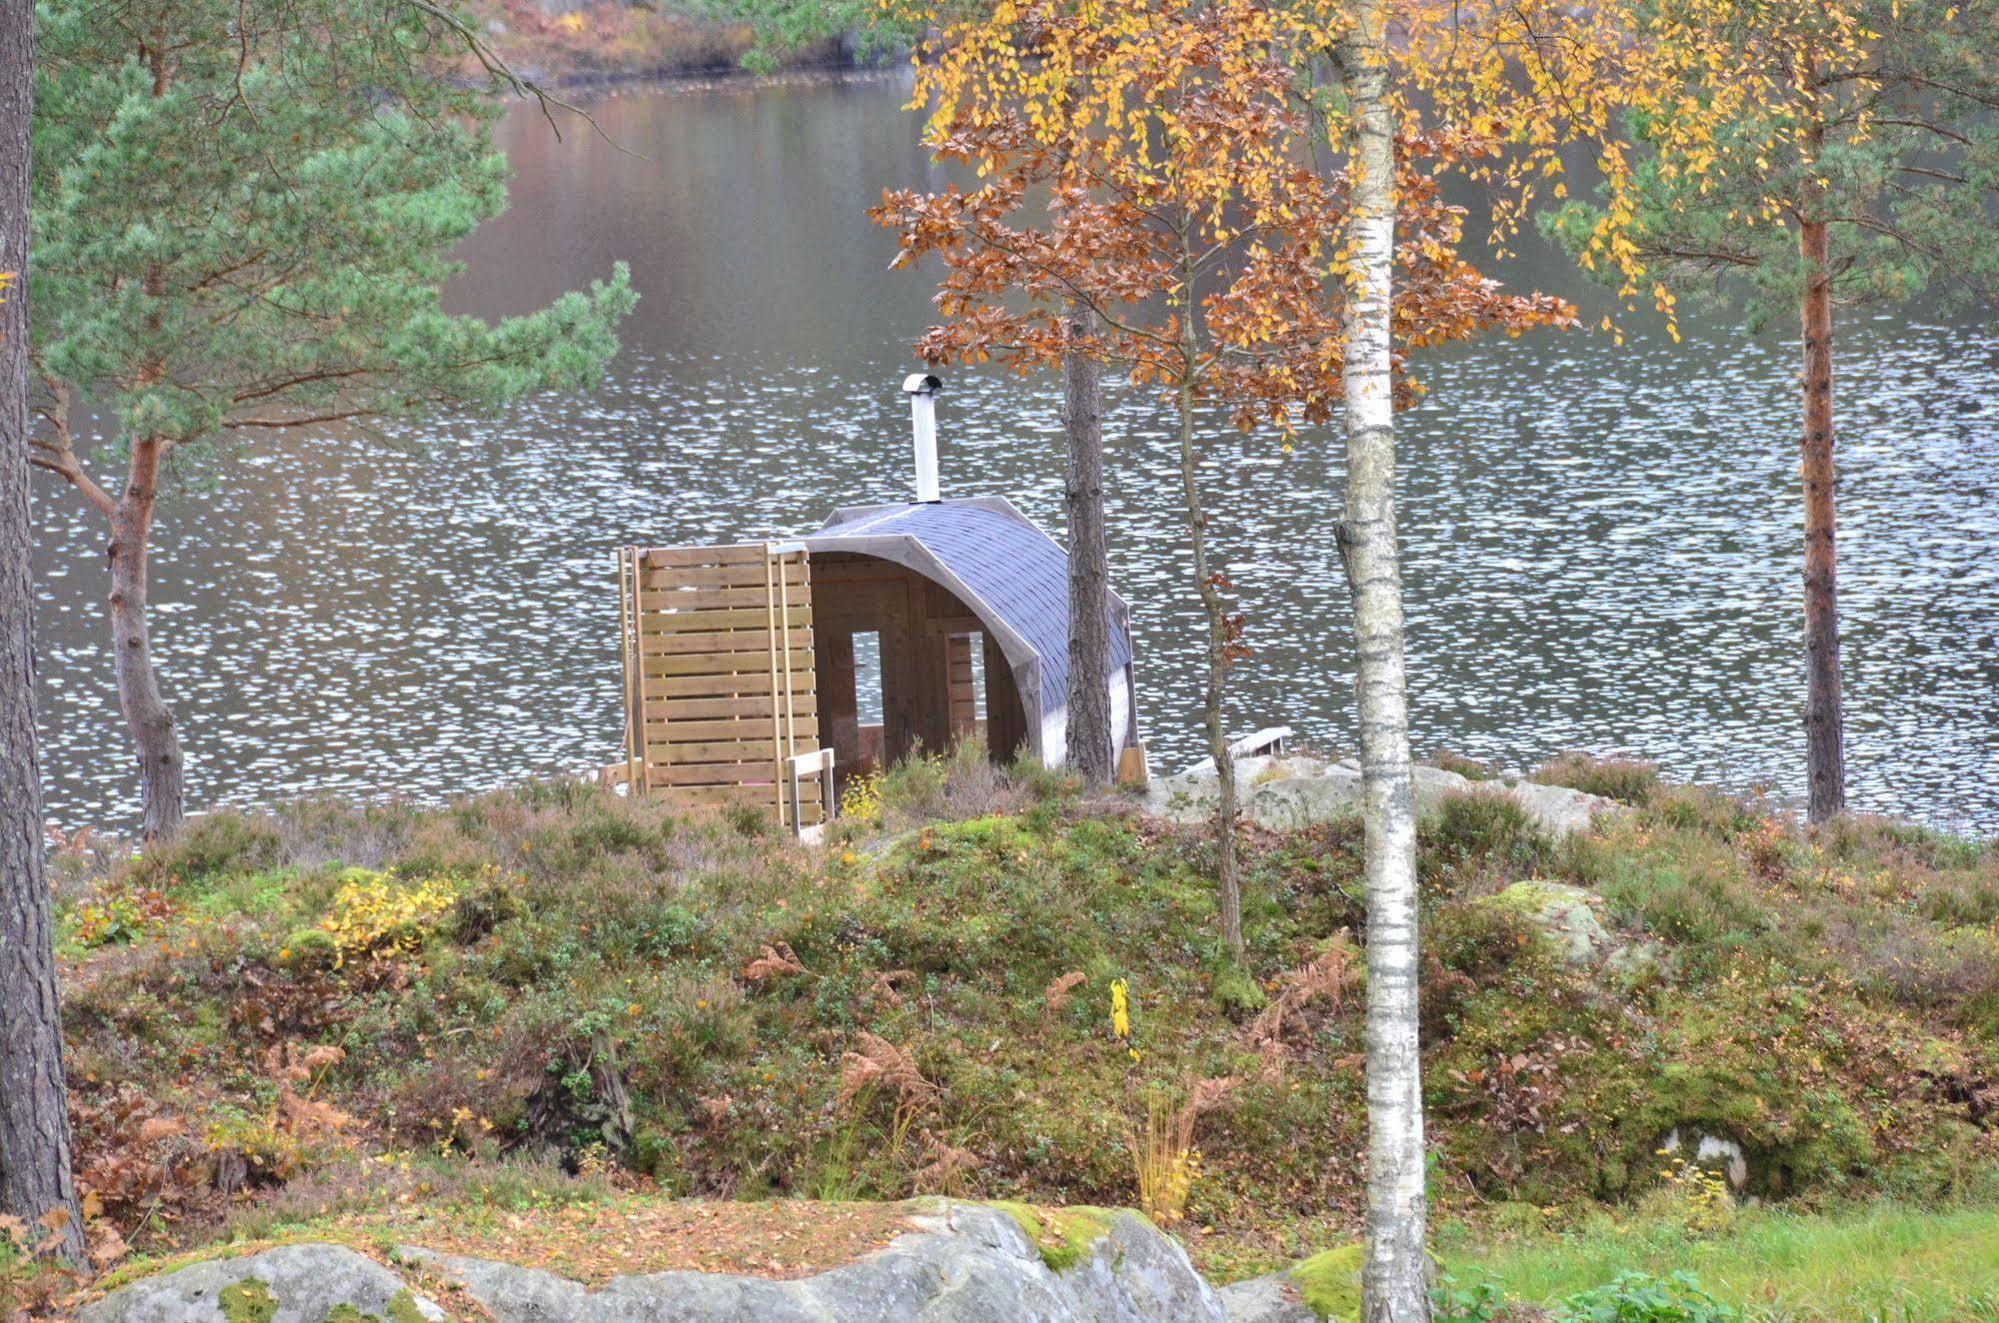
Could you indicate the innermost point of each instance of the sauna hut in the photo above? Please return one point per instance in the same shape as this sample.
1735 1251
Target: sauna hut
741 686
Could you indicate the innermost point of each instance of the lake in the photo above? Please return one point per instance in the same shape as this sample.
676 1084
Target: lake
1602 543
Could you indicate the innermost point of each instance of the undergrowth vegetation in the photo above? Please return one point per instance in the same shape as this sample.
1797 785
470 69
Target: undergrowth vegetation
1883 1264
327 1006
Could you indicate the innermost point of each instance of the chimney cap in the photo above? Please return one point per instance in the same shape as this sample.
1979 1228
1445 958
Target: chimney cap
921 383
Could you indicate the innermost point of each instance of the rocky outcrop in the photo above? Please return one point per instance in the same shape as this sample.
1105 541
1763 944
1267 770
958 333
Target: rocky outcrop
964 1263
290 1284
1284 793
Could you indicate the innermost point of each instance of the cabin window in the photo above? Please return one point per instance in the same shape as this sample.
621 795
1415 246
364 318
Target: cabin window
868 678
979 675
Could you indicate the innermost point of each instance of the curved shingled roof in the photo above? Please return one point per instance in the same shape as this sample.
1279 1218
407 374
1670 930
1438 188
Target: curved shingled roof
1013 576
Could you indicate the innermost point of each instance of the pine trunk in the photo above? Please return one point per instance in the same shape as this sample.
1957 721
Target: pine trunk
1825 717
154 736
35 1164
1089 743
1394 1286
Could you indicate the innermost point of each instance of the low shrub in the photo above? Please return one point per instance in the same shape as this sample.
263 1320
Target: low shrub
560 974
1635 1297
1479 840
1624 779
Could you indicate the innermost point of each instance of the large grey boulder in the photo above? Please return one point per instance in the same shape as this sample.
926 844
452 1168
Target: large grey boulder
1560 811
1434 785
1289 792
289 1284
1322 1289
1564 915
1272 1299
1190 796
1291 802
963 1263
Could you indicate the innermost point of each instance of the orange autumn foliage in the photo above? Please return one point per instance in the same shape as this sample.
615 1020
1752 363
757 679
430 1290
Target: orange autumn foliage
1159 162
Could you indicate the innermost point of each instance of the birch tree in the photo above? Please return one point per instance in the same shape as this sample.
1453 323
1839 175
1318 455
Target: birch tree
1149 163
1394 1286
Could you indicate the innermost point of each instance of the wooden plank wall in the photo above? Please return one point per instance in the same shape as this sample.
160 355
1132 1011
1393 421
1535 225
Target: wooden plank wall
720 675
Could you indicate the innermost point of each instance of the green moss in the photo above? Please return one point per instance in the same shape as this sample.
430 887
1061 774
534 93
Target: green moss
345 1313
1329 1283
1235 990
402 1309
1063 1235
309 946
248 1301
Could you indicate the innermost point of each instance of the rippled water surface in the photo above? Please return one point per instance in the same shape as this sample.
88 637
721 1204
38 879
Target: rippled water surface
1602 543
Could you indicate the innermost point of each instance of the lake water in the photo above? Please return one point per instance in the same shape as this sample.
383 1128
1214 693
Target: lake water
1602 543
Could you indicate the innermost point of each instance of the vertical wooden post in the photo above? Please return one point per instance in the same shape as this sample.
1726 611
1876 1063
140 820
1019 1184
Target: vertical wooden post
634 670
789 746
778 770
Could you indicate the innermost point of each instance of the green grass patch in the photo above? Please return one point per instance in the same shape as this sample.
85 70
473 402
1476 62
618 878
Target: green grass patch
1883 1263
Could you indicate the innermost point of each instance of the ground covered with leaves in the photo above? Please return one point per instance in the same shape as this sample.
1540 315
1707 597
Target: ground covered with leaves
993 988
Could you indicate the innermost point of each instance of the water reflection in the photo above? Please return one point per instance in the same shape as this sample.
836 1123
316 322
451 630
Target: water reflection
1602 542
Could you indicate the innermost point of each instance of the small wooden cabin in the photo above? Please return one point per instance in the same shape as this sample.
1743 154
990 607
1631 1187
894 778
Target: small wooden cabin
939 582
741 681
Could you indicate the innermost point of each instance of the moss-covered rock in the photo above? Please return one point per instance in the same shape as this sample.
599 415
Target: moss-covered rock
1564 915
1329 1283
334 1283
1063 1235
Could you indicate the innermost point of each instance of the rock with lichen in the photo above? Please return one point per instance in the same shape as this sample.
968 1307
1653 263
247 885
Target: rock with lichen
962 1263
289 1284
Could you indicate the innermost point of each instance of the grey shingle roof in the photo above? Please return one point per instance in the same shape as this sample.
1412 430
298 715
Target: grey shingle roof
1005 567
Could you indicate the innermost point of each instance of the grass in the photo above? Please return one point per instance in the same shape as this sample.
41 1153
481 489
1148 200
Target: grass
326 1009
1880 1264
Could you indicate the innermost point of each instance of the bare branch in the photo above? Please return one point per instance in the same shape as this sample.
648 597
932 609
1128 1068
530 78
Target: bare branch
497 67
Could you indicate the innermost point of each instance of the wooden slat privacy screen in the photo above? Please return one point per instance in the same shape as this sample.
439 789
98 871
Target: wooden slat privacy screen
719 687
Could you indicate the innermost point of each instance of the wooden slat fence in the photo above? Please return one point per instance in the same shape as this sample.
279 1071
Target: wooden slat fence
719 686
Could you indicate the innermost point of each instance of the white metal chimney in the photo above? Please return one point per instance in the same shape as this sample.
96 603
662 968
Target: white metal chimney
922 390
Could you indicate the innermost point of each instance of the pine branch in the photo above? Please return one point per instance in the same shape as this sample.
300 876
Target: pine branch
57 458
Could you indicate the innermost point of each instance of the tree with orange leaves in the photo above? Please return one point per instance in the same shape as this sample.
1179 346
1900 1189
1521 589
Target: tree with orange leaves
1152 164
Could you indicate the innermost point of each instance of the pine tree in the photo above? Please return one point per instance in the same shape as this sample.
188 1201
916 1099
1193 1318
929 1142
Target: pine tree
1808 156
243 216
37 1185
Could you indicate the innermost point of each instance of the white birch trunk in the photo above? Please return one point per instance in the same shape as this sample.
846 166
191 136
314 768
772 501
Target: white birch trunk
1394 1285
